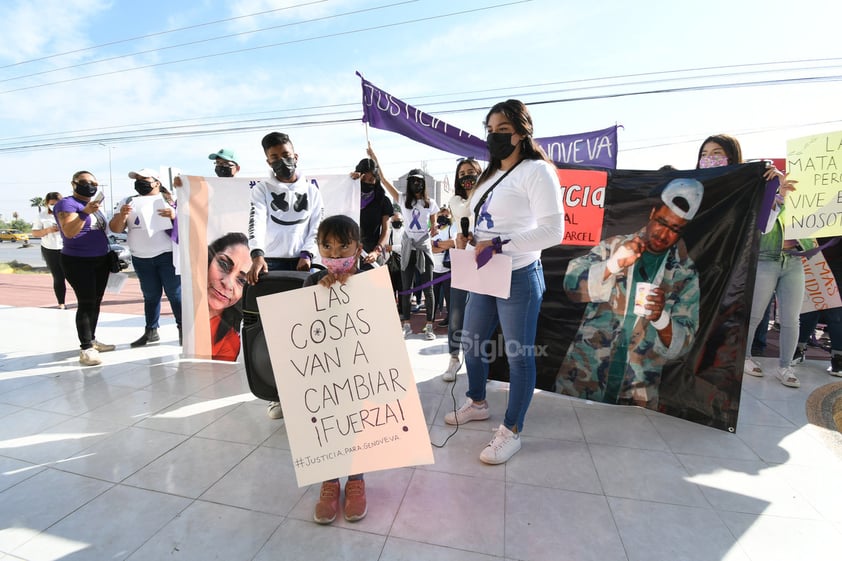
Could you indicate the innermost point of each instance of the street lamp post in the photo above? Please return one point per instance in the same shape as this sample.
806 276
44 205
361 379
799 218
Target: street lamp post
110 178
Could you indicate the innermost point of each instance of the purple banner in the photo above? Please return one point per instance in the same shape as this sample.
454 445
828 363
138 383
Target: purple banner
384 111
595 148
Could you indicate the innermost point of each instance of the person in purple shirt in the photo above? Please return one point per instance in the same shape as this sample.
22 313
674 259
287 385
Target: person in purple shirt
84 259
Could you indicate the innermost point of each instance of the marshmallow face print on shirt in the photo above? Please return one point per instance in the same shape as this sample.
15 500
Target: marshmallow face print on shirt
289 208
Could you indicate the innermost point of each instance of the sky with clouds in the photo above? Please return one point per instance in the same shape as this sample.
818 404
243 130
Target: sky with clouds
161 83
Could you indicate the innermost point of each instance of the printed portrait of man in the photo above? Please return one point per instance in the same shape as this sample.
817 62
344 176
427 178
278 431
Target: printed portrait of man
642 305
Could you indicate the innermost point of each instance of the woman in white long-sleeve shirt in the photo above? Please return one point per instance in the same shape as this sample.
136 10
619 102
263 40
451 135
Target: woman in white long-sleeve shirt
517 211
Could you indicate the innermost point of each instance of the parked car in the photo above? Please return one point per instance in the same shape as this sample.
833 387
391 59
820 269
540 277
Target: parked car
123 253
13 236
120 237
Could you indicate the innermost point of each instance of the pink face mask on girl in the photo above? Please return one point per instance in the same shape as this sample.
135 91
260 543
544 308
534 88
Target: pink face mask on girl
340 265
714 161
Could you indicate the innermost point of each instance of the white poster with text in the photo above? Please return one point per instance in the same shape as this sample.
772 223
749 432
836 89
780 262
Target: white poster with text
344 379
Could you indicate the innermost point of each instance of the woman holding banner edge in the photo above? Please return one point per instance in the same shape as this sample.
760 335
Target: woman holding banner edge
517 211
779 271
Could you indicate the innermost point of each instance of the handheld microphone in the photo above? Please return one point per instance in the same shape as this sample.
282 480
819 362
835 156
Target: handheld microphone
465 223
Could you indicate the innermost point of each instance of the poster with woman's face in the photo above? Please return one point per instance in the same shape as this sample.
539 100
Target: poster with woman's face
213 219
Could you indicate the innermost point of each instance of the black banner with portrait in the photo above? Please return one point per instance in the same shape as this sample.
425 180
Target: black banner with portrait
692 237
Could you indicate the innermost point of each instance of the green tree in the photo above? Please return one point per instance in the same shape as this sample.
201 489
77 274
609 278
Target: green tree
20 224
36 202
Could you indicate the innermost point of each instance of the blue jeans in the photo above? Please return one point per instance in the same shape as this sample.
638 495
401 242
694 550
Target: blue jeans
786 279
455 319
157 276
518 318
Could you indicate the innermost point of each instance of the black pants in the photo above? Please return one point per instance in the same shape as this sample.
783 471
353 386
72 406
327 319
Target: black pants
88 277
408 275
441 291
53 259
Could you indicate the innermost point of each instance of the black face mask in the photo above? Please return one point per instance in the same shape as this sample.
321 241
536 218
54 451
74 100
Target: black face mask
443 221
397 224
284 168
143 187
224 171
467 182
415 188
84 189
366 187
499 145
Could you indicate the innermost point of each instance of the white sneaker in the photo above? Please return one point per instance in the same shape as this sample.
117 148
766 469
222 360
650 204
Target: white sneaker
503 446
752 368
467 413
452 368
407 330
102 347
787 377
89 357
429 334
274 411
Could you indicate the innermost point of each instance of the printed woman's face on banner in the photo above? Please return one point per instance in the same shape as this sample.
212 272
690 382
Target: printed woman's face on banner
227 277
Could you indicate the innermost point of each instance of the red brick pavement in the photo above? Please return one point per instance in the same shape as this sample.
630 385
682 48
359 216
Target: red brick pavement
36 291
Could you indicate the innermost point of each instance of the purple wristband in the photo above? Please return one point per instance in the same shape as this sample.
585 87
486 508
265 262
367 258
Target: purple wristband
486 254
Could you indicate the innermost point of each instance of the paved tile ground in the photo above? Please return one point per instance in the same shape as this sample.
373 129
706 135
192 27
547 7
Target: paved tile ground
151 456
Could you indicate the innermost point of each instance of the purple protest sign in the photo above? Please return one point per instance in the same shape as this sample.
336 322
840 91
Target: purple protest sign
384 111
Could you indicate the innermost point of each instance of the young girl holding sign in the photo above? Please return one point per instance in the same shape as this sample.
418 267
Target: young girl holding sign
340 246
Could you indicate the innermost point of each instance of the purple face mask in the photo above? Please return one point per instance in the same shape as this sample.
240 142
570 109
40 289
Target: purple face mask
340 265
715 161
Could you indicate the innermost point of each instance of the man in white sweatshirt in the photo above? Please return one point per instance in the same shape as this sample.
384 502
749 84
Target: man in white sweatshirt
286 209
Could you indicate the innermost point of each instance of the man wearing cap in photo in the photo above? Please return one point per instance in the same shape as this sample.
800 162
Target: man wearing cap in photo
226 163
618 353
148 220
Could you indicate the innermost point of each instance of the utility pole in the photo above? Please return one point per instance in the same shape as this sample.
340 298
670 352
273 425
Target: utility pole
110 179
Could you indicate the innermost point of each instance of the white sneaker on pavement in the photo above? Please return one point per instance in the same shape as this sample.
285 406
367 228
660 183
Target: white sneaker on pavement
503 446
407 330
452 368
274 410
89 357
467 413
752 368
787 377
102 347
429 333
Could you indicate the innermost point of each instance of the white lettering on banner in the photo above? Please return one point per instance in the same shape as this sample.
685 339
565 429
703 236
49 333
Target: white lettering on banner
578 196
574 152
387 103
